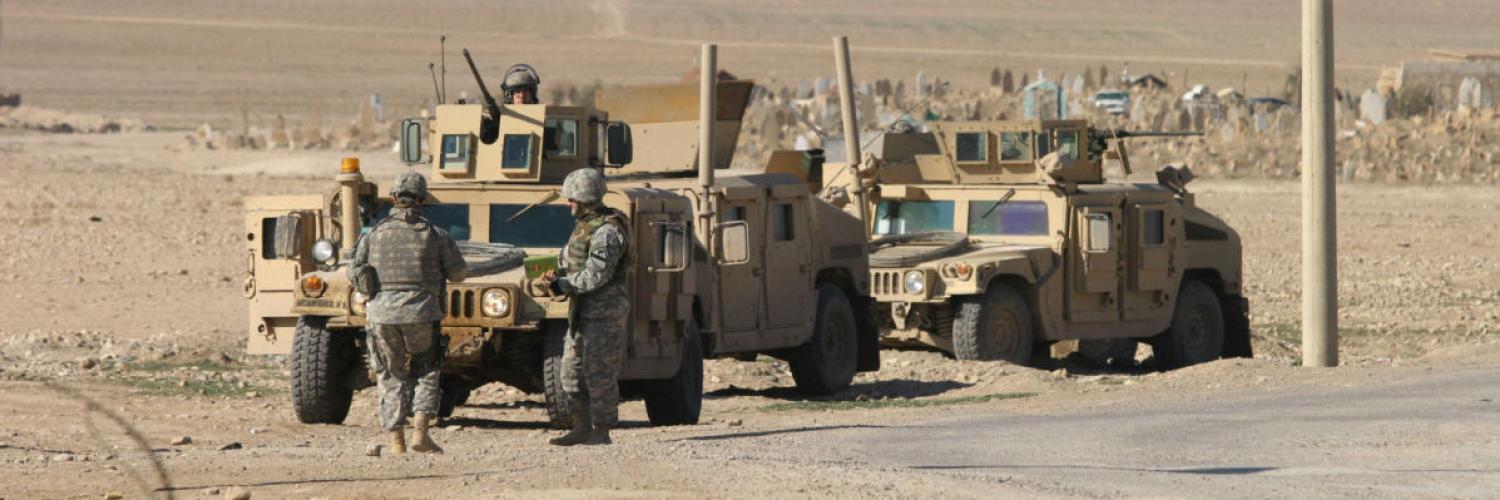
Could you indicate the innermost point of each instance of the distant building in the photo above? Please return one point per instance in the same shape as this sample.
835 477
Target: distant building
1444 76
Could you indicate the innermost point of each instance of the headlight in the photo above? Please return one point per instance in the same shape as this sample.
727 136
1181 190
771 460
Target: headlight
323 251
496 303
313 286
916 282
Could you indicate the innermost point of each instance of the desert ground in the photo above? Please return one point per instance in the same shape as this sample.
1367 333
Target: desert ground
121 278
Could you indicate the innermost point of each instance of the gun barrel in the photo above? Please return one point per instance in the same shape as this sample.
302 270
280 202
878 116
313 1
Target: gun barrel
1126 134
484 90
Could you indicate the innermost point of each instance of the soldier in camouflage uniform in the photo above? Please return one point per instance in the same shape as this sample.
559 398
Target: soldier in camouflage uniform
402 264
592 267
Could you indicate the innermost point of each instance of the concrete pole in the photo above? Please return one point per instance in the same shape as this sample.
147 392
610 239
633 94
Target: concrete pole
708 102
1320 320
851 123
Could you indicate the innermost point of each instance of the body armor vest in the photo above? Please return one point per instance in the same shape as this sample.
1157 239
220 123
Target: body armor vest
403 255
576 255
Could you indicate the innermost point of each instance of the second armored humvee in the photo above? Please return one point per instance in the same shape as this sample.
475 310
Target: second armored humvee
993 239
732 264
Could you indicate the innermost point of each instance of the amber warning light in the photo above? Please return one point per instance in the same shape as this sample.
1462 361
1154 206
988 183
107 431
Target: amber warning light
349 166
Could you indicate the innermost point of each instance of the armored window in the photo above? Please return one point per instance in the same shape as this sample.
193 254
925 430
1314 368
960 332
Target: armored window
734 214
781 222
1015 218
1100 238
1067 144
543 226
1151 228
451 217
1043 143
906 217
517 152
268 238
561 137
971 147
456 148
1015 146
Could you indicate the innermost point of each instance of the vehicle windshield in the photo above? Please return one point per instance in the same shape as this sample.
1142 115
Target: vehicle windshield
452 217
544 226
908 217
1014 218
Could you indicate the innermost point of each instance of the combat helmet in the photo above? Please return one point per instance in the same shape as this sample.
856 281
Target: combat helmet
518 77
410 184
584 185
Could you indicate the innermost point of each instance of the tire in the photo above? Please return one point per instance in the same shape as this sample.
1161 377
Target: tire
321 364
906 250
995 326
679 400
455 394
558 406
827 362
1197 331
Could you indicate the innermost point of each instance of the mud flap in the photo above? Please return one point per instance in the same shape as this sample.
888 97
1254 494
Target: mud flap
869 335
1237 327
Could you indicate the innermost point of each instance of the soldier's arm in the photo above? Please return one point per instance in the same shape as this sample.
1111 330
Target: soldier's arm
606 246
454 267
360 259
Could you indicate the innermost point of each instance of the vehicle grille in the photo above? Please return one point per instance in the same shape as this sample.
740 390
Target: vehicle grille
461 304
886 283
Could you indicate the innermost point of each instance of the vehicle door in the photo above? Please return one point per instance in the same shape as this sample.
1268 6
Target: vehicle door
740 286
662 250
789 270
1095 264
279 233
1155 233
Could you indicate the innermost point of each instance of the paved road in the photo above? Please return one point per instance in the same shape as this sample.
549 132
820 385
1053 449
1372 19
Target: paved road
1434 435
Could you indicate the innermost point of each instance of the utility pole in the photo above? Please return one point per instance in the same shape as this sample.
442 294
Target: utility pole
1320 319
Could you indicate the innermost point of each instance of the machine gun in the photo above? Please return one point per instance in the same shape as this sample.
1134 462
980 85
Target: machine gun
490 129
1099 142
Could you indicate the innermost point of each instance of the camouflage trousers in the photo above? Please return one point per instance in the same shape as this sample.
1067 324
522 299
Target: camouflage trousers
591 360
407 359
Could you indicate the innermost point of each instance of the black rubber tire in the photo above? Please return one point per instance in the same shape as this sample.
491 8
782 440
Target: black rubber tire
678 400
321 360
559 408
895 250
827 362
455 394
995 326
1197 331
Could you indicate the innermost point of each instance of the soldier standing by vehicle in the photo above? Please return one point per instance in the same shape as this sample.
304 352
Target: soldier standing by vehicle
520 85
592 273
402 265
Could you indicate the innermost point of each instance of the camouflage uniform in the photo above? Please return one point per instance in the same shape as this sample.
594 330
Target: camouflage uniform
411 262
593 275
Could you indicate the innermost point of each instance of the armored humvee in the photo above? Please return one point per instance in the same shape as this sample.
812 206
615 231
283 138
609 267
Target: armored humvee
728 265
993 239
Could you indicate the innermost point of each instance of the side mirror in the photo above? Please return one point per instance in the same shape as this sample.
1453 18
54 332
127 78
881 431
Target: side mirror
412 131
618 148
1100 238
734 243
673 247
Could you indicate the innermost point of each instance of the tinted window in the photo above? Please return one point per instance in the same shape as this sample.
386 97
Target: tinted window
1152 227
903 217
781 222
452 217
1015 146
268 238
971 146
543 226
1021 218
1067 144
561 137
517 151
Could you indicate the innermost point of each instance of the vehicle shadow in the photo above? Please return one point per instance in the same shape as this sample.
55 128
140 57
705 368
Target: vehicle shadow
485 423
794 430
508 405
1213 471
871 390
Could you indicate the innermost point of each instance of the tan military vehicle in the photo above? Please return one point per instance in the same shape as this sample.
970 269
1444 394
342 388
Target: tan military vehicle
721 264
993 239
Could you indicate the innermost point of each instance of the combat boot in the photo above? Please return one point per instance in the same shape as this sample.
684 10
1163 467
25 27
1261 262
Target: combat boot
600 435
423 442
580 434
398 441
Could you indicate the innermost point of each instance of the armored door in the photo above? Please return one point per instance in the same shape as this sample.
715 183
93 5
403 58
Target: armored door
1154 233
1094 279
788 261
739 286
278 232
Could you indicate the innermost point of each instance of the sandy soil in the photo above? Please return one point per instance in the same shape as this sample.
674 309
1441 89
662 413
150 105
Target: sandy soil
120 281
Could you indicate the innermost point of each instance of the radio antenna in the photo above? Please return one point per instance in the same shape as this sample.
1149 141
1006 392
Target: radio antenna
435 83
443 57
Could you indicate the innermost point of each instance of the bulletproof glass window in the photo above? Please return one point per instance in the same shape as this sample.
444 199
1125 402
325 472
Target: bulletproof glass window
452 217
1067 144
455 152
544 226
561 137
1043 143
781 222
1099 238
1151 228
1015 218
268 238
734 213
1015 146
907 217
971 147
517 152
